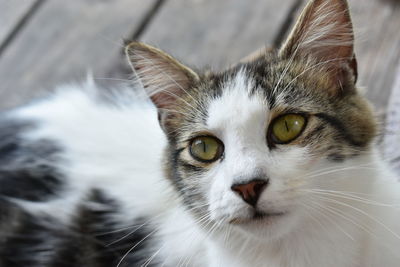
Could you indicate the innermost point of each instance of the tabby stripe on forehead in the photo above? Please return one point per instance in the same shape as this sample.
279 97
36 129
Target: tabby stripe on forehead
338 125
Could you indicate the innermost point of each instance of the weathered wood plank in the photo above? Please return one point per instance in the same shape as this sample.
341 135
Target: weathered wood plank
62 41
216 33
11 13
391 141
377 27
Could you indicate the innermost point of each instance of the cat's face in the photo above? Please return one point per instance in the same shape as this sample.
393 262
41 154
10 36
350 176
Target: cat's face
246 144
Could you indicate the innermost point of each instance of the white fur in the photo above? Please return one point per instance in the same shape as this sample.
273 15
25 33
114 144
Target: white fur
118 149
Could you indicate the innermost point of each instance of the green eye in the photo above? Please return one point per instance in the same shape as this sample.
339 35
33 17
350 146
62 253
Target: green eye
287 128
206 148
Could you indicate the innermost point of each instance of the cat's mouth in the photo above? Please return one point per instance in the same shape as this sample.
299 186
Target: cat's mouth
257 217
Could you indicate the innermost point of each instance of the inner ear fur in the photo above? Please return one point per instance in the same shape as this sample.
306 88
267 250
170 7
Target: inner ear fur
162 76
164 79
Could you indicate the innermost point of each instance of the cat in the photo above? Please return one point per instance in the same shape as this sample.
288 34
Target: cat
272 162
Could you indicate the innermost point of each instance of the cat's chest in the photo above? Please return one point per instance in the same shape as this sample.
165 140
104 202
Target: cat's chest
287 261
324 250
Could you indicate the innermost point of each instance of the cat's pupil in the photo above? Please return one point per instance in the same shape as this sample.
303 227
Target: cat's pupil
287 127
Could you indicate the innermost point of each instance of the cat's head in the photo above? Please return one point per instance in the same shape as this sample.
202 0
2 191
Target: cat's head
247 143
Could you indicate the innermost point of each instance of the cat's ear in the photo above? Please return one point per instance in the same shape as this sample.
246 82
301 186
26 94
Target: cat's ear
164 79
324 33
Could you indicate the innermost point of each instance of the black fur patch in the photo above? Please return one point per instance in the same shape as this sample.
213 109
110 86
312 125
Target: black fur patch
30 242
92 239
27 167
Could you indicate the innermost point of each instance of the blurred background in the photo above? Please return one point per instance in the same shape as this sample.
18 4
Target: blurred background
47 42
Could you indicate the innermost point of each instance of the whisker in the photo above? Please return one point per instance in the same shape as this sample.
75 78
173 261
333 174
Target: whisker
137 244
349 197
320 208
149 260
362 212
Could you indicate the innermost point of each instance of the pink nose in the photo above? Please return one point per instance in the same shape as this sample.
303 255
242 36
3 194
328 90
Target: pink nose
250 192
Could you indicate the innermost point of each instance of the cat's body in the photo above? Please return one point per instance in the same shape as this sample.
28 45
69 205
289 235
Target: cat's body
139 201
88 178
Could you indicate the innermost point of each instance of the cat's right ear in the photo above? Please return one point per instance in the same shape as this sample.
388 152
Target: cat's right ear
324 33
164 79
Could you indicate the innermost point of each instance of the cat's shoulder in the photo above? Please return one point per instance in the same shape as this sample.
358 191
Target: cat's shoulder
69 137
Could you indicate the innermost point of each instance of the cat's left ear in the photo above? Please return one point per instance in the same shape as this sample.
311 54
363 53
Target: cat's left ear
324 33
164 79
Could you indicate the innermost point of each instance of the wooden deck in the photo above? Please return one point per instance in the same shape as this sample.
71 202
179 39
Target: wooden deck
47 42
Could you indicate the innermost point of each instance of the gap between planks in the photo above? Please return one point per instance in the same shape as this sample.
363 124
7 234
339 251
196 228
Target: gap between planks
12 34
